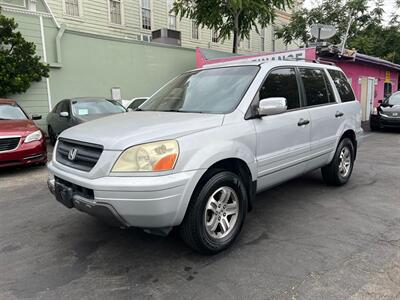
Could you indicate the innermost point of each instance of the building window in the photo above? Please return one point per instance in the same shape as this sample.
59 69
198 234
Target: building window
115 12
195 30
214 37
146 14
262 39
145 38
171 15
72 8
273 30
172 22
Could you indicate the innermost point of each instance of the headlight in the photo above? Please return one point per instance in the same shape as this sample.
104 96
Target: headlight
34 136
152 157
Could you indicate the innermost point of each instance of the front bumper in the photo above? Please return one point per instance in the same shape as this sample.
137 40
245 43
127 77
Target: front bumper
146 202
26 154
384 121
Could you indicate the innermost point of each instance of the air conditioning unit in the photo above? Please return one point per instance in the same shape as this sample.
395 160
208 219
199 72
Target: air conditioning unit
166 36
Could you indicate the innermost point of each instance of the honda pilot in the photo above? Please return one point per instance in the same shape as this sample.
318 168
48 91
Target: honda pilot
195 154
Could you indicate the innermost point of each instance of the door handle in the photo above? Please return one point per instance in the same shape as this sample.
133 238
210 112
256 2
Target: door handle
303 122
339 114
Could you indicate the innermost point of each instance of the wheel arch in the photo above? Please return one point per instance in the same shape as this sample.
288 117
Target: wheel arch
234 165
349 133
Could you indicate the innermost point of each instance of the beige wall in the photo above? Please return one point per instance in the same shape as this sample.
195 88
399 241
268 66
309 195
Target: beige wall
94 18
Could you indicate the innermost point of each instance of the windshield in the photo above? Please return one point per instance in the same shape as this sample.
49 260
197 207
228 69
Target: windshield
216 91
394 99
11 112
96 107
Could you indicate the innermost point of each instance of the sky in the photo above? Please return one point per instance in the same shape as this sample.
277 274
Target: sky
388 6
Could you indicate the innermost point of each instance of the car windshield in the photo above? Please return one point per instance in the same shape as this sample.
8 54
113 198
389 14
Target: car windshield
394 99
96 107
11 112
216 91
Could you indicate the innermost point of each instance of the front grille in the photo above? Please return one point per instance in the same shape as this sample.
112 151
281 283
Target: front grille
76 189
86 155
9 143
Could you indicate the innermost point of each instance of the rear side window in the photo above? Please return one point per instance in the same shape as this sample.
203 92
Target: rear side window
342 85
282 83
316 87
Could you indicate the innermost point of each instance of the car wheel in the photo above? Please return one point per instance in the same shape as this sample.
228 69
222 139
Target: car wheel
374 126
52 136
338 172
215 214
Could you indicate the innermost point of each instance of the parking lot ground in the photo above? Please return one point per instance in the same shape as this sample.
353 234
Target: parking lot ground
303 240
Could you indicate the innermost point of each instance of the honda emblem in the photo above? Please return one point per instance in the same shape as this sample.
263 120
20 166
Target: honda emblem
72 153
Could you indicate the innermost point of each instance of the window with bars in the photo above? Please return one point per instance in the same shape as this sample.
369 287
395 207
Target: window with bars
115 12
171 15
214 37
273 37
262 39
72 8
195 30
146 14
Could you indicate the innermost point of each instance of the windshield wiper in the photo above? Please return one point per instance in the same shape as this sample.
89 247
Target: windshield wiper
4 119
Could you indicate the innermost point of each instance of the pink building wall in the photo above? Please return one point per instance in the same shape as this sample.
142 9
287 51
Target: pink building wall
358 70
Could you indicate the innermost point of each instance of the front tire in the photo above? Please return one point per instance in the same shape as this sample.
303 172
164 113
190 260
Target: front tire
215 214
338 172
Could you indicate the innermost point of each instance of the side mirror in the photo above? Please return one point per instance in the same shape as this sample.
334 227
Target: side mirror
36 117
64 114
272 106
380 101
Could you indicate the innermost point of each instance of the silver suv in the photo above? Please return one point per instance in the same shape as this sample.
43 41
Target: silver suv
195 154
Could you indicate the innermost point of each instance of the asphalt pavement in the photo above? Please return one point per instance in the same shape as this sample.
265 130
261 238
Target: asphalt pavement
303 240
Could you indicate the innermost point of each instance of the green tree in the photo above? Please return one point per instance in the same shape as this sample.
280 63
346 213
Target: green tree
231 17
331 12
19 65
368 32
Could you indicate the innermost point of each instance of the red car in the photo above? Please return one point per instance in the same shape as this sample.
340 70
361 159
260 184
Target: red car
21 141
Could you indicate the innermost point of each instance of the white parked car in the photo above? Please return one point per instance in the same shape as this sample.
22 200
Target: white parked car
201 147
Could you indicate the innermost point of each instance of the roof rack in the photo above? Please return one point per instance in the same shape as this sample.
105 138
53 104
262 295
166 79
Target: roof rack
317 61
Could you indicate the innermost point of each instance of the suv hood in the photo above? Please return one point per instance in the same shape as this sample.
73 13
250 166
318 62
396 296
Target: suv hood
121 131
17 127
86 118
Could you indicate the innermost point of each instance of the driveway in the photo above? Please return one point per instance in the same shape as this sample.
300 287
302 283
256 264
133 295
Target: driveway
303 240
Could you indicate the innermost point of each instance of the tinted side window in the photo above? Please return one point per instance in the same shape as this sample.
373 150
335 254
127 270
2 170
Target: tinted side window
64 106
282 83
342 85
315 87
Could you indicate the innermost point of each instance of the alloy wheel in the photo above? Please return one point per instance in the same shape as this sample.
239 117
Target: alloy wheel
221 212
344 162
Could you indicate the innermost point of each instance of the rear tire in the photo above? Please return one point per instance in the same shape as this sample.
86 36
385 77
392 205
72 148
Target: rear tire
338 172
52 136
215 214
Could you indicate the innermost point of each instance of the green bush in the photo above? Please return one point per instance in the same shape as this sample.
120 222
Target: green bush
19 64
